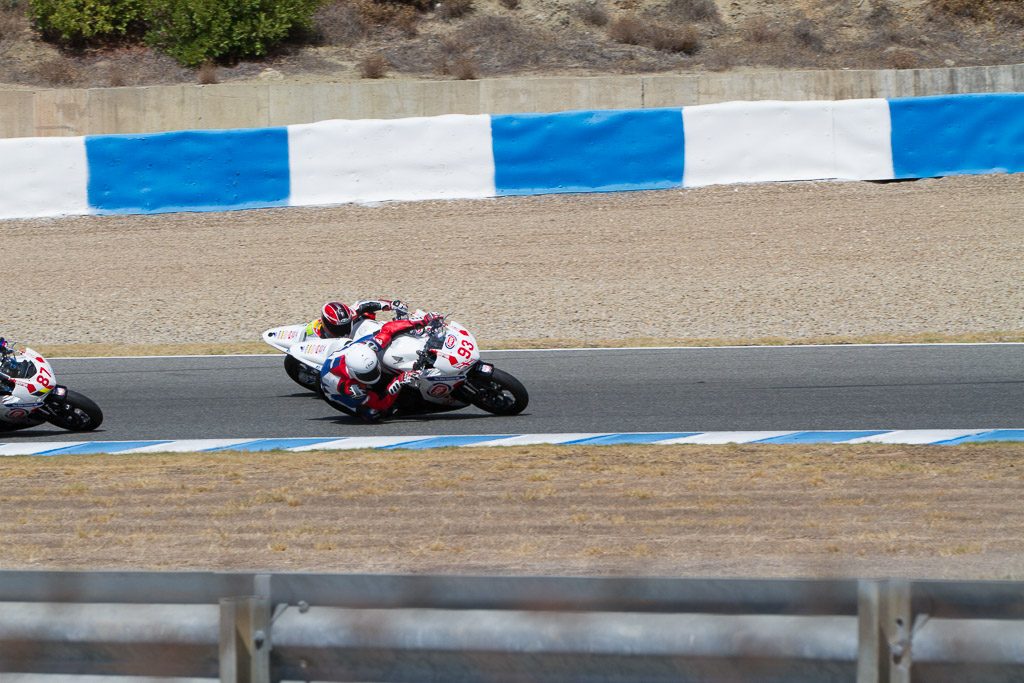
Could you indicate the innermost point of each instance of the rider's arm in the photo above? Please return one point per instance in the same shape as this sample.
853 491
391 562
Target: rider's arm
364 308
383 338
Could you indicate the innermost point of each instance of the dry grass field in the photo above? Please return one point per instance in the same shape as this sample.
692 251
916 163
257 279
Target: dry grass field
696 511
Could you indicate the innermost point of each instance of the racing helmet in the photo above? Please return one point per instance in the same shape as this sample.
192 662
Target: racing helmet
336 319
361 364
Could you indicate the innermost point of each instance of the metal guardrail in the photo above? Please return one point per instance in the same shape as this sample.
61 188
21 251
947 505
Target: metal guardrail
271 627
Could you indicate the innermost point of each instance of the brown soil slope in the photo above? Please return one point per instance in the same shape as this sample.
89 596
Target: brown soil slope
460 39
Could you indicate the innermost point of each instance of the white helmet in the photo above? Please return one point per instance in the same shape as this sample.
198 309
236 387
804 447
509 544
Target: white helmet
361 364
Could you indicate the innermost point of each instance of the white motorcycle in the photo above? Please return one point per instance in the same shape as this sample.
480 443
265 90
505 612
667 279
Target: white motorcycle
446 354
284 338
30 395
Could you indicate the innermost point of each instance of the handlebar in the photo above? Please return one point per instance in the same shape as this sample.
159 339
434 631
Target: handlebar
435 340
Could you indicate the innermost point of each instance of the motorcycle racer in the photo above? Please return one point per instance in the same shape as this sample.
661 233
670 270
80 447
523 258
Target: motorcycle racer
338 319
348 377
8 367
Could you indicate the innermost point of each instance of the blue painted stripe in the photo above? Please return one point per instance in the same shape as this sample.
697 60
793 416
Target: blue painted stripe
957 134
424 442
588 151
269 444
448 441
101 447
818 437
195 170
994 435
608 439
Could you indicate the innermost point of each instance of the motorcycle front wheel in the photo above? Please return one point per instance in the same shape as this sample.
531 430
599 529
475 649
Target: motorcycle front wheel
499 393
75 413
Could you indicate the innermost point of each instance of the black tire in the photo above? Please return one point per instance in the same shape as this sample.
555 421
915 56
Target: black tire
302 375
76 413
500 393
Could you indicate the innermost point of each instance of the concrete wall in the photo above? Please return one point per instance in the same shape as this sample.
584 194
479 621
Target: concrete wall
44 113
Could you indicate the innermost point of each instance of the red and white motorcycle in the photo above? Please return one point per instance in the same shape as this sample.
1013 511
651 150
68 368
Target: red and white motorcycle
30 395
446 354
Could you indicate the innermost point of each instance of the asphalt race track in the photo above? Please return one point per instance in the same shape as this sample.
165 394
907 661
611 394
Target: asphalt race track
599 390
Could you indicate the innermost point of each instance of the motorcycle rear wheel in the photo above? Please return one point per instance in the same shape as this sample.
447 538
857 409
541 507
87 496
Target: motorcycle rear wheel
500 393
302 375
77 413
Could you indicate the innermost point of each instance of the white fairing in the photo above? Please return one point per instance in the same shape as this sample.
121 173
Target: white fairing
29 392
403 351
283 338
366 326
314 353
458 353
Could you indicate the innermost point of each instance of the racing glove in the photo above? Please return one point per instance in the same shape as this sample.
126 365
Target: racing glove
427 319
399 307
402 380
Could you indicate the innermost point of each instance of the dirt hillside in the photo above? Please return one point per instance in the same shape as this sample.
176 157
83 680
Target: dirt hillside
460 39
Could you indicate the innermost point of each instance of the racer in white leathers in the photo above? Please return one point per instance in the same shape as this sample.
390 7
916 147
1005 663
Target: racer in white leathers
6 365
348 376
341 320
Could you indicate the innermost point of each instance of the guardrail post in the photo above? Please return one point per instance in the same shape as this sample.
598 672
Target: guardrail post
884 630
897 622
245 640
871 645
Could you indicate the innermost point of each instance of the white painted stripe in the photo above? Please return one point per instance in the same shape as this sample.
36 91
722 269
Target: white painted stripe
724 437
908 436
917 436
30 448
530 439
751 142
438 157
355 442
187 445
43 177
863 135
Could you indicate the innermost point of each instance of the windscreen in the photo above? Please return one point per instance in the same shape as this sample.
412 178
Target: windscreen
17 369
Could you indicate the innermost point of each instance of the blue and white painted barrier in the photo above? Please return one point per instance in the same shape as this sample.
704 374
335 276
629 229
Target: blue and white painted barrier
908 437
461 156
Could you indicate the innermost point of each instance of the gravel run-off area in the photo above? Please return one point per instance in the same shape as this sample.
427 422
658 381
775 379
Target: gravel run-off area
784 260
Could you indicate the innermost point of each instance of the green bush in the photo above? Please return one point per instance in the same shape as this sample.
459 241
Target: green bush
95 21
197 31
